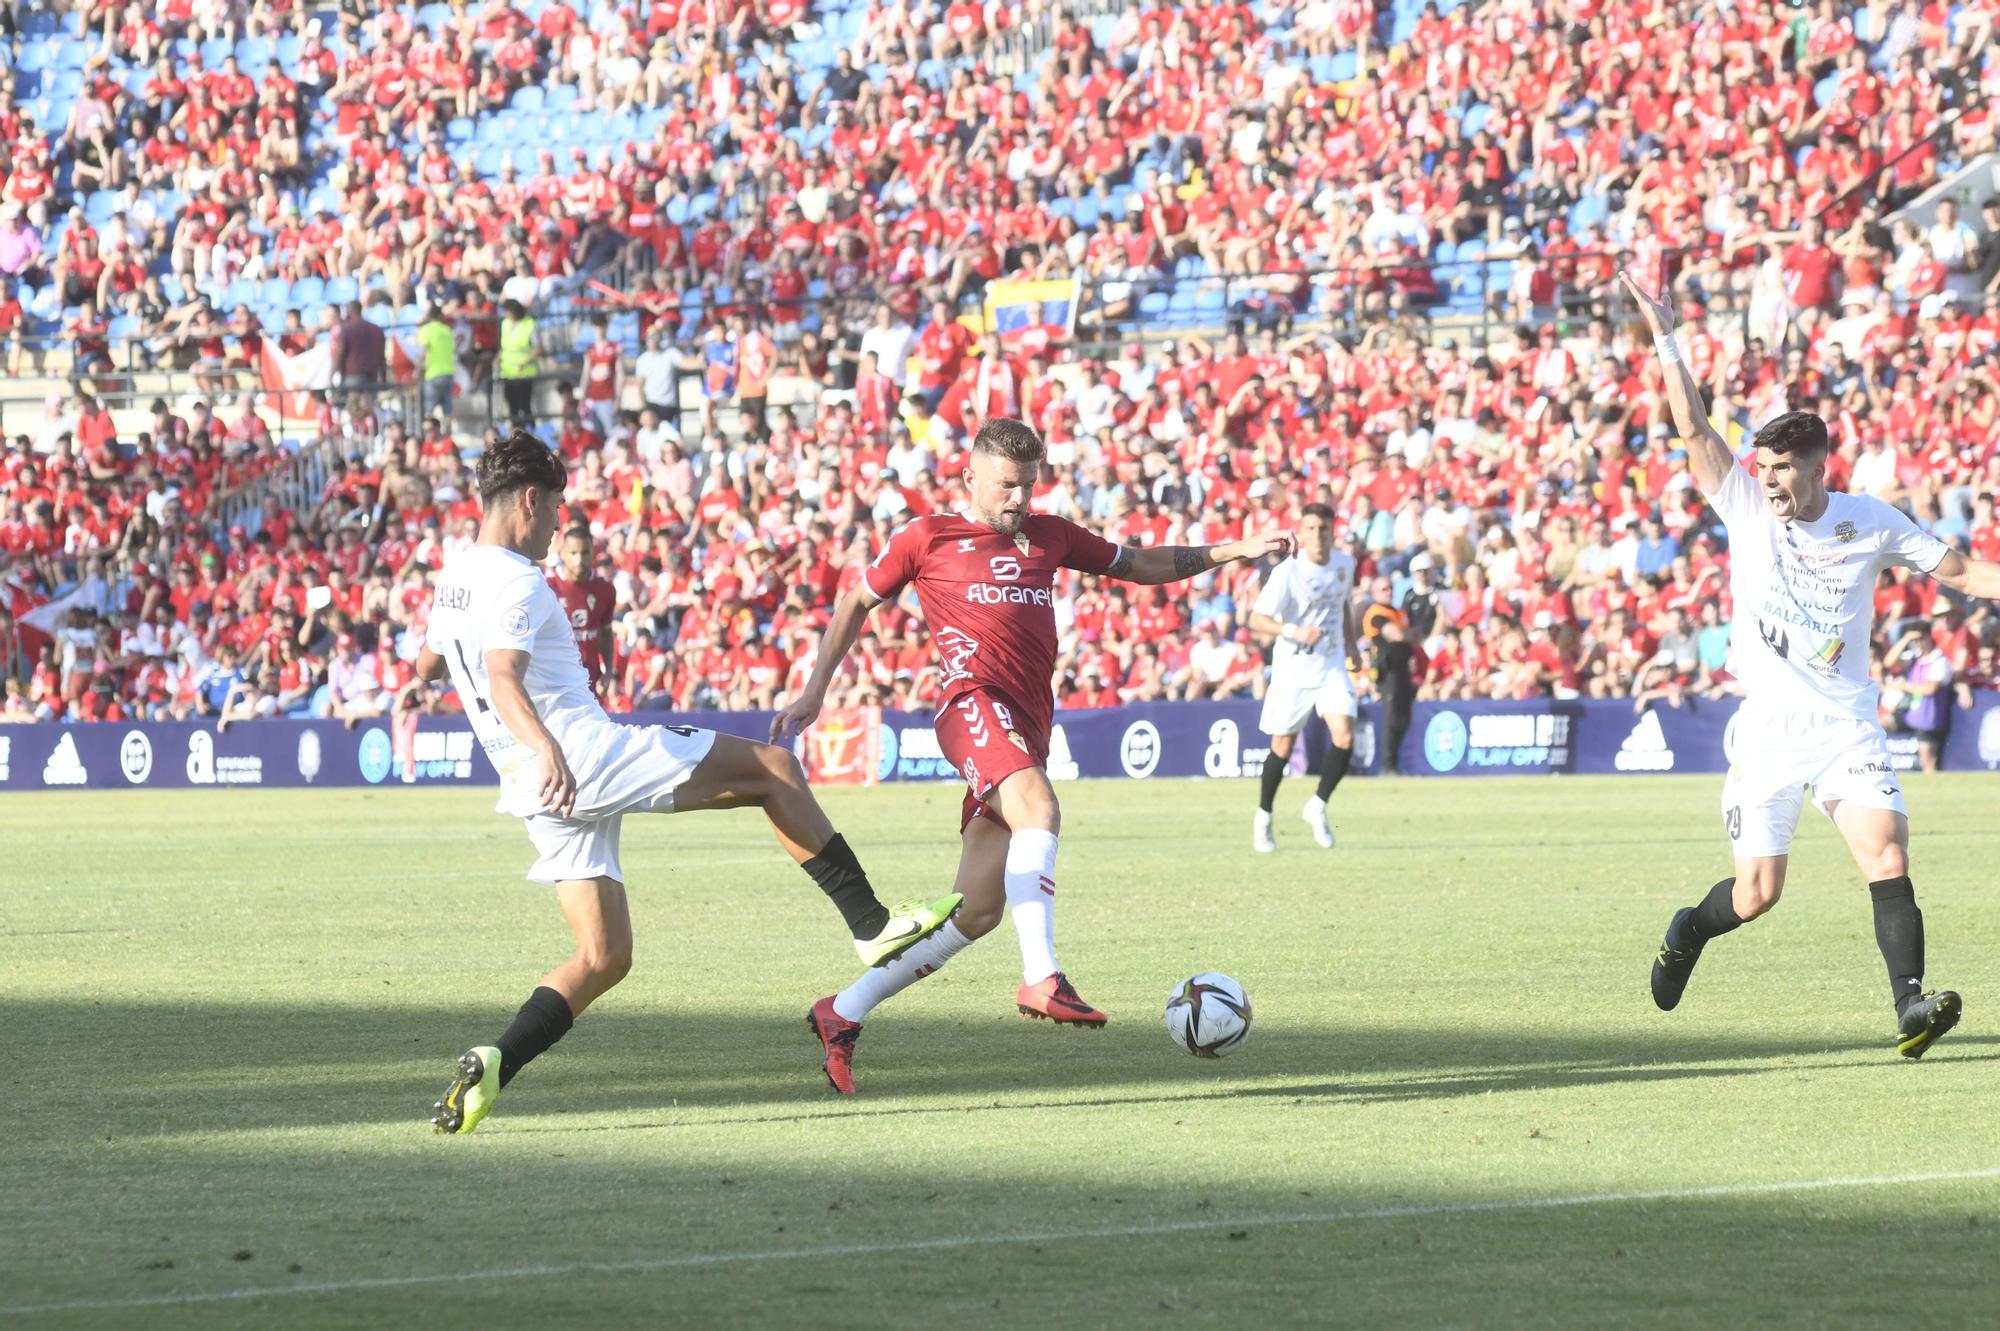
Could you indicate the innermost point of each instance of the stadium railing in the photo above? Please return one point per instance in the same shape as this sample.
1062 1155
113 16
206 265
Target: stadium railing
1467 297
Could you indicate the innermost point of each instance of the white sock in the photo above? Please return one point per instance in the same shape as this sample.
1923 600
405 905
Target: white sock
1031 900
878 983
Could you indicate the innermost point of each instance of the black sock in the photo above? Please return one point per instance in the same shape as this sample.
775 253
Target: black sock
1274 772
1716 915
1334 769
839 875
542 1020
1899 932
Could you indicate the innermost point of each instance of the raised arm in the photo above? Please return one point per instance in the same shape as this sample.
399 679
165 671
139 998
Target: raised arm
1978 578
1708 455
1176 563
848 617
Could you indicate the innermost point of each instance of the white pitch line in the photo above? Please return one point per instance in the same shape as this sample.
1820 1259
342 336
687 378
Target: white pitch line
646 1264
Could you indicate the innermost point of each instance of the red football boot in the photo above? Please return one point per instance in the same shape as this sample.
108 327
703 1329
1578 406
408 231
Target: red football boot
837 1035
1055 999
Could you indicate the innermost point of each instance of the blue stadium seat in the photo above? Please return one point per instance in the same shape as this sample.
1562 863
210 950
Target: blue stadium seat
340 290
623 329
1153 305
36 57
308 294
276 292
410 315
561 97
380 315
216 50
529 98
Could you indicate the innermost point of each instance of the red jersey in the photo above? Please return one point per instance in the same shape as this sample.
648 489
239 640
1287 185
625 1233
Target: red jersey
989 601
589 605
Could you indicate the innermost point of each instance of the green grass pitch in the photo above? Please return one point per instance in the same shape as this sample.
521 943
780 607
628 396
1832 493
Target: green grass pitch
226 1015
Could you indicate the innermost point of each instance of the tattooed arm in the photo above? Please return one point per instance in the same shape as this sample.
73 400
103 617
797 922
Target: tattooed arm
1177 563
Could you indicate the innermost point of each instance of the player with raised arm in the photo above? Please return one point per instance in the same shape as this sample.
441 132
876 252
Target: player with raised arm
1306 605
985 579
1803 563
572 773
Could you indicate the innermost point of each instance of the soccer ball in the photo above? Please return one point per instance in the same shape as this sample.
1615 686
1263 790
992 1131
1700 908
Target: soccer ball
1210 1014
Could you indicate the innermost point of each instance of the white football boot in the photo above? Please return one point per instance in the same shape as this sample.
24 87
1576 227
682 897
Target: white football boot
1315 816
1261 838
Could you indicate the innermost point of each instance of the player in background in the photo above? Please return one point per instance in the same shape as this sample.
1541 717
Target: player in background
984 578
572 773
587 601
1803 564
1306 604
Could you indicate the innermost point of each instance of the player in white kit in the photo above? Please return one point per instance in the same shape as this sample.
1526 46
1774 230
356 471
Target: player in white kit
1803 563
572 773
1307 605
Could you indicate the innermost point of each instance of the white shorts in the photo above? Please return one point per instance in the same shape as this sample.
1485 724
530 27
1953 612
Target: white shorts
1774 758
636 771
1293 699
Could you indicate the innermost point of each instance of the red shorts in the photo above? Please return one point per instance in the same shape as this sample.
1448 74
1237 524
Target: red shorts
980 733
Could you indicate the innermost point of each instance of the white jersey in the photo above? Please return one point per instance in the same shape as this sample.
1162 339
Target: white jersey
491 599
1805 596
1299 591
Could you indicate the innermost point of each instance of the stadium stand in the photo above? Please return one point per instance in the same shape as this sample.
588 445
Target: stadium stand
1332 250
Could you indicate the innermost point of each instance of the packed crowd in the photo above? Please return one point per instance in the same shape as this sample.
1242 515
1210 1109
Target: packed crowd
1518 505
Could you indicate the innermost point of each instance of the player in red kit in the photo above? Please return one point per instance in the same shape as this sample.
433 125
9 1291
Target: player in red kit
985 578
588 601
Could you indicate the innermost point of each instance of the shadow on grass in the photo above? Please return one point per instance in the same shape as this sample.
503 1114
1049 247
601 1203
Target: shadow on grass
658 1239
193 1067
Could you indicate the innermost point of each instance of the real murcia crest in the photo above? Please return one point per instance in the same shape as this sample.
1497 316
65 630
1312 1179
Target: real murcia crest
1021 542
